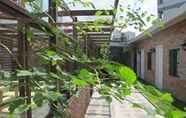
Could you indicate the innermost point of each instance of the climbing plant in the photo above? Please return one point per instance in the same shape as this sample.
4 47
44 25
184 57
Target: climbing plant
110 79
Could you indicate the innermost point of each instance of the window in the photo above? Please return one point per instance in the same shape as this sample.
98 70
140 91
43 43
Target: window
149 61
173 62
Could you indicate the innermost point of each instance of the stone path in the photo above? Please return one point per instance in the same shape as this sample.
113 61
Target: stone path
126 109
99 108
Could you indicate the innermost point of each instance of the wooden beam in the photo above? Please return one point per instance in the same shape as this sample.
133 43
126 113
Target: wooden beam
7 17
8 7
5 37
82 22
96 37
9 25
116 2
92 36
96 33
67 9
85 13
101 29
7 30
101 40
12 9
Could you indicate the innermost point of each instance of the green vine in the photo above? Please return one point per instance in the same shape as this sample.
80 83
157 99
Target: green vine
110 79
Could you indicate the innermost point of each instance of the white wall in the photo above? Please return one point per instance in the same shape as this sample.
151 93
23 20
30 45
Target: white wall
142 75
172 13
159 67
117 36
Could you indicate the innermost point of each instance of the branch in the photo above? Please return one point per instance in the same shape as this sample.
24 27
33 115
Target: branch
10 52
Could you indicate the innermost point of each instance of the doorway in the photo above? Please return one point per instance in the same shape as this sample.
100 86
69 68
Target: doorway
159 66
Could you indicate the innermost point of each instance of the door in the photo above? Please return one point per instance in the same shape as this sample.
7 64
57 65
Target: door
159 66
142 64
138 63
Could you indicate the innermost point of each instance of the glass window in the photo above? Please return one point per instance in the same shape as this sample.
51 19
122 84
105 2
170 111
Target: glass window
173 62
149 60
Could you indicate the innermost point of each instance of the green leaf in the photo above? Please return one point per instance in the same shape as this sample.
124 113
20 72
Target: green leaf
79 82
176 114
14 104
167 97
5 74
109 67
39 73
127 74
38 99
87 76
147 33
99 13
24 73
53 75
29 35
52 95
51 53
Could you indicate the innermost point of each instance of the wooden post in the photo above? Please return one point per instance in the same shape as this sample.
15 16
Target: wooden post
23 57
85 44
52 39
75 38
53 14
27 57
52 42
1 95
74 29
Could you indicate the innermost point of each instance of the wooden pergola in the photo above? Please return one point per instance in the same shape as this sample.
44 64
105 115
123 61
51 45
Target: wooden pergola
19 19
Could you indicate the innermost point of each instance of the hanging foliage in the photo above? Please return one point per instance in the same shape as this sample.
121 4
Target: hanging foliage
110 79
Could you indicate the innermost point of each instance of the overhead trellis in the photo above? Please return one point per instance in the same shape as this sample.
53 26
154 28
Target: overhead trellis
20 21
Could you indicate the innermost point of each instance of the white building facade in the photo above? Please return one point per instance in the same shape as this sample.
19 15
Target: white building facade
169 9
120 39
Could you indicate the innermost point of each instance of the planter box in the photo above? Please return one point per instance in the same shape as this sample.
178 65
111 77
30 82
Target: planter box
78 106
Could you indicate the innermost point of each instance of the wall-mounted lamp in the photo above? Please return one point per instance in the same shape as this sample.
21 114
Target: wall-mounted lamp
184 46
138 51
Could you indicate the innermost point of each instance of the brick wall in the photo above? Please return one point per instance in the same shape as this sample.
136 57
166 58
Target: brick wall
78 106
169 38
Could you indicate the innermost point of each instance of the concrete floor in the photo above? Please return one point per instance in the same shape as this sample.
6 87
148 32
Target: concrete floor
37 113
99 108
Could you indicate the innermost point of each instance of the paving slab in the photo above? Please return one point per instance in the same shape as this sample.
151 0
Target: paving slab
99 108
125 109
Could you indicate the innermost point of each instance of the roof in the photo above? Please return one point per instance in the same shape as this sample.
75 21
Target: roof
155 29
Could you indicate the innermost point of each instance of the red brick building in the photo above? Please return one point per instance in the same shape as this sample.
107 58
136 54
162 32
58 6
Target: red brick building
161 59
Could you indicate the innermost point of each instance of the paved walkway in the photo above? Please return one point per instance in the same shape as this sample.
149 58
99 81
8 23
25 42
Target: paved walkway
99 108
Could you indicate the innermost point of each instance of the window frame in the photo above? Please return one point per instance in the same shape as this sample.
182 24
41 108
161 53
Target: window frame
174 62
149 60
